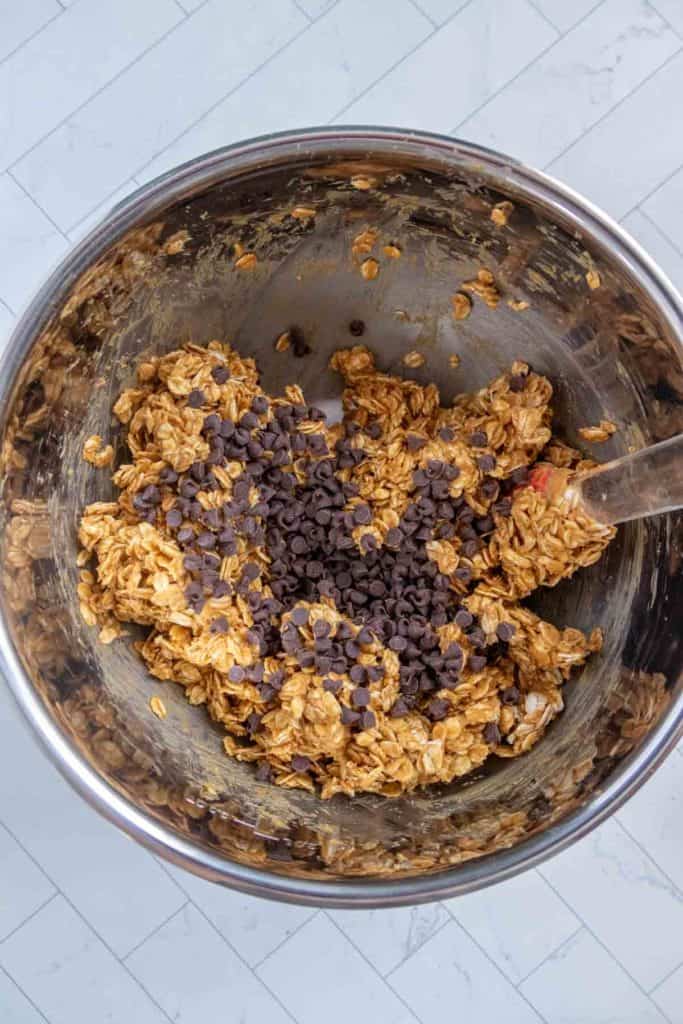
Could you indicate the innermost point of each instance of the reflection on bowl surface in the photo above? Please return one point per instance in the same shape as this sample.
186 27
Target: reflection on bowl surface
161 271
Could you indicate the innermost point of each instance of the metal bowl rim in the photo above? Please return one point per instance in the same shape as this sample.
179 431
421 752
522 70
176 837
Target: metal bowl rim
150 832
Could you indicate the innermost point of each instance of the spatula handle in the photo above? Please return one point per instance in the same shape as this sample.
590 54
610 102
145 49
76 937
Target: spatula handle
644 483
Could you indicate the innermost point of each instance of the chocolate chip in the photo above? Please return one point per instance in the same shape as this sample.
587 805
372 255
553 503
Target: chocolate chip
357 328
206 540
398 643
168 476
349 717
236 674
520 475
486 463
221 374
447 434
414 443
505 631
299 616
463 618
517 382
185 534
438 708
332 685
362 515
399 709
510 695
300 346
360 697
219 625
196 398
492 734
174 518
221 588
351 649
192 563
476 662
367 720
478 439
357 675
300 763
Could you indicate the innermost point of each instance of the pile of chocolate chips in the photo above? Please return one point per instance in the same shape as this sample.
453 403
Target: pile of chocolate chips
394 593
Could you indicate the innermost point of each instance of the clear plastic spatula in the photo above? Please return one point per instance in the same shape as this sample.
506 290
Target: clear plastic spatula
645 483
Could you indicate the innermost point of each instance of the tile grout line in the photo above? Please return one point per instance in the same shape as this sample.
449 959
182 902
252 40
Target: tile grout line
429 938
497 968
33 35
600 942
648 856
649 195
154 931
181 8
229 944
24 994
234 88
98 91
425 14
7 307
554 952
303 11
660 231
430 35
87 923
30 917
632 92
667 21
107 198
518 74
372 966
286 939
37 205
664 980
542 14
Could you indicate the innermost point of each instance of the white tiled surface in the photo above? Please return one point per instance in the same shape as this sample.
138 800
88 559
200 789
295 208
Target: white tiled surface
97 96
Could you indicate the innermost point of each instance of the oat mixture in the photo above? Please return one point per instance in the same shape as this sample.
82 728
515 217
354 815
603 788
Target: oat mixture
344 598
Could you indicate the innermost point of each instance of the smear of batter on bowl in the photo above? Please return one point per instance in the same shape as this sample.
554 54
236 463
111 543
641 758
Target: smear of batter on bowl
345 599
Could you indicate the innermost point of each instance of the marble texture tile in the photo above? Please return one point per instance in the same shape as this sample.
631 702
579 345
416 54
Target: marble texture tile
16 1008
70 975
21 21
24 889
665 208
388 937
7 322
253 926
493 40
519 922
336 977
582 984
654 817
118 887
76 54
569 88
102 146
606 165
29 245
287 91
669 996
669 258
197 979
622 895
564 14
672 10
452 963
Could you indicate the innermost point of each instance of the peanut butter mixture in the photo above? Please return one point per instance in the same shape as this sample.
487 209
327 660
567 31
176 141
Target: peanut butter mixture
344 598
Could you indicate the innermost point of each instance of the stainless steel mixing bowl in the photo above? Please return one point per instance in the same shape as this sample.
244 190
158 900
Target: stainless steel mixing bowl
158 271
